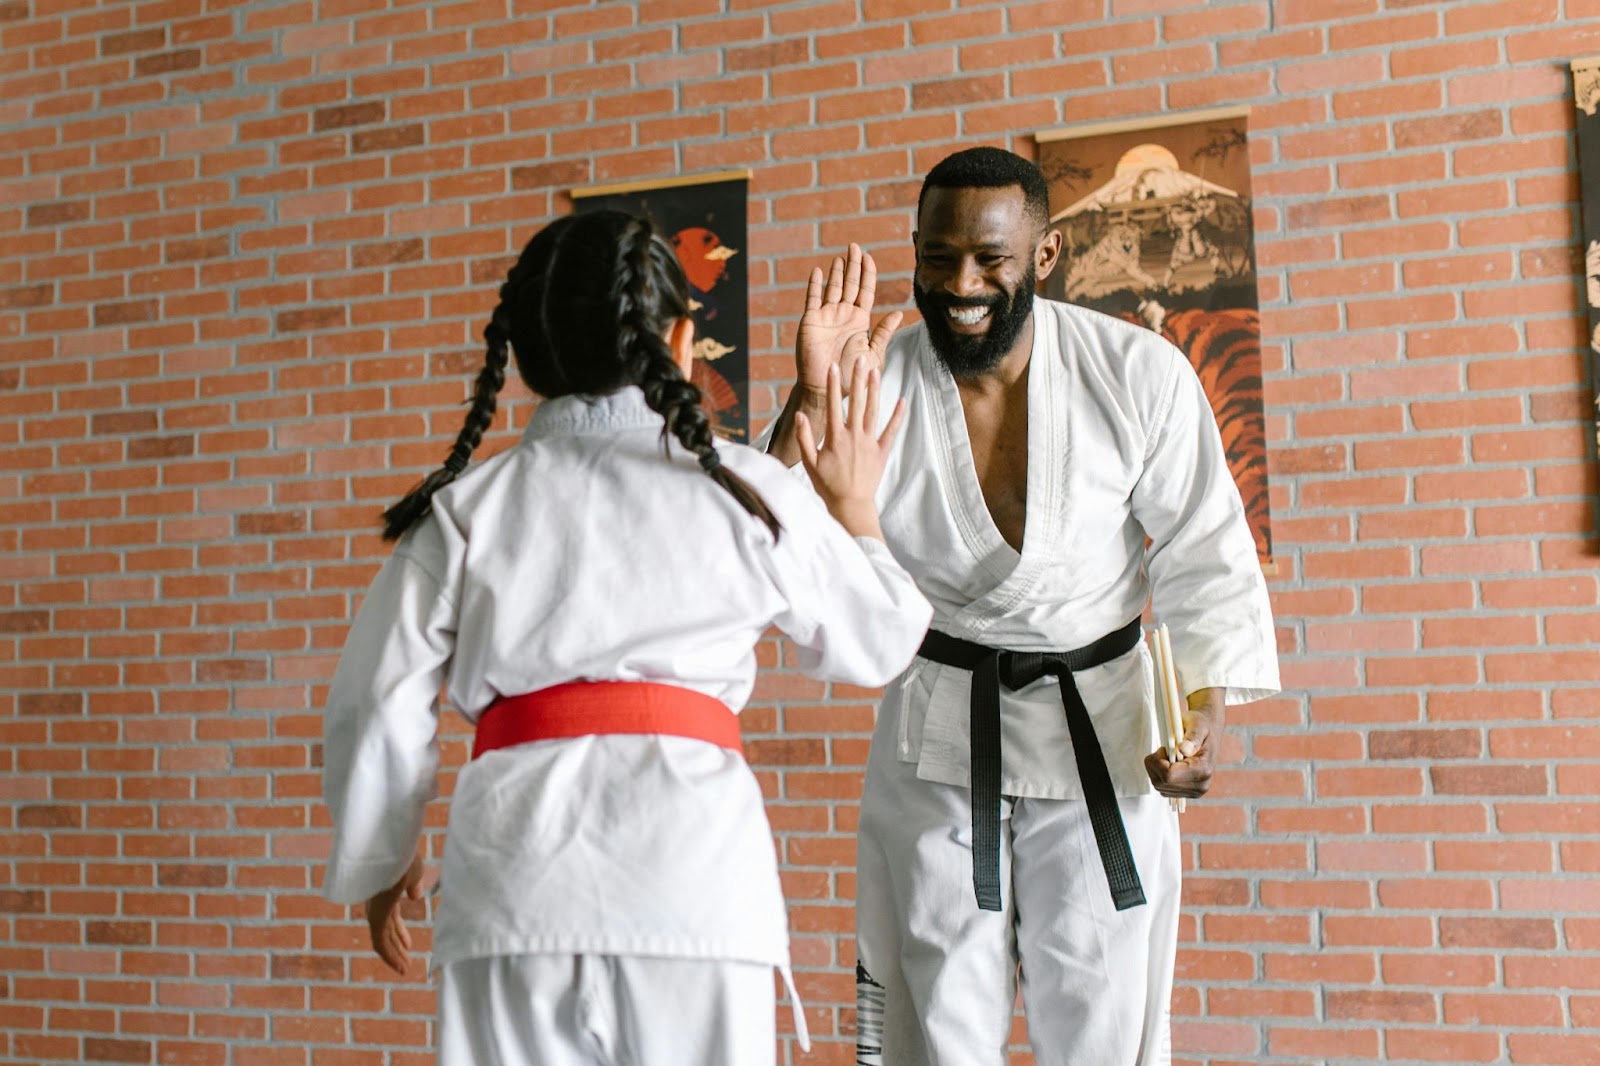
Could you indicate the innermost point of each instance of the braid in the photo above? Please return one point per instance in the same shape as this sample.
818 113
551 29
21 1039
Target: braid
641 284
485 397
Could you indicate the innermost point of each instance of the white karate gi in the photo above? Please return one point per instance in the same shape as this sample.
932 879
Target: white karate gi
1122 445
583 554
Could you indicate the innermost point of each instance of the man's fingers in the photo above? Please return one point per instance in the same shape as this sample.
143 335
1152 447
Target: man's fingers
869 282
884 330
852 275
835 281
1187 779
1195 735
814 289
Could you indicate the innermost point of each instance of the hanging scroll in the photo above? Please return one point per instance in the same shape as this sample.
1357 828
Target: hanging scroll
703 216
1156 228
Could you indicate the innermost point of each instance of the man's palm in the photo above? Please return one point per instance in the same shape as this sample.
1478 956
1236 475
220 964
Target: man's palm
836 327
823 332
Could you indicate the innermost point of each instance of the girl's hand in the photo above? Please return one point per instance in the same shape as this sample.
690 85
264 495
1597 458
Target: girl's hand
848 465
390 937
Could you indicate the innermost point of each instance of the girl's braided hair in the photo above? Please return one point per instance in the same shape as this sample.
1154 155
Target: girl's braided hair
585 310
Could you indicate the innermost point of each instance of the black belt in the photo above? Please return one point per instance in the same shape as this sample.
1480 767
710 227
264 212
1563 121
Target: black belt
993 667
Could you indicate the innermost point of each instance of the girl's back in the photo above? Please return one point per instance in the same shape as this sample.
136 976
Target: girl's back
626 566
581 555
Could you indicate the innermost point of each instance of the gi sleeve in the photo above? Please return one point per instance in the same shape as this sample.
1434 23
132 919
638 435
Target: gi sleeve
1207 582
853 612
379 748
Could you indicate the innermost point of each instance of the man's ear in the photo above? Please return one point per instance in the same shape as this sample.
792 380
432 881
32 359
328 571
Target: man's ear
680 342
1047 254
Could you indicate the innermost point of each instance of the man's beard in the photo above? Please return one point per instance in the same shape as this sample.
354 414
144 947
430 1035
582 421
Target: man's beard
966 355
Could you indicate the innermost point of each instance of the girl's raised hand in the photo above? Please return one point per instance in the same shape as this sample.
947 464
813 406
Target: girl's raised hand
847 466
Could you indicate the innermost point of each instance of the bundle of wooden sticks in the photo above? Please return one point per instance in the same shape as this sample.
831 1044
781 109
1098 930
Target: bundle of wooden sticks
1168 707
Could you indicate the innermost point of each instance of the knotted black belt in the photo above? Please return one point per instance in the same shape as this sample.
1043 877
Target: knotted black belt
993 667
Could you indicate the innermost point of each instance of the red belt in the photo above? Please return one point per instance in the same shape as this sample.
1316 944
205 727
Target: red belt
581 708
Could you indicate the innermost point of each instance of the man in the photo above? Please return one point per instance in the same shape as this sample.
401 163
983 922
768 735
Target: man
1011 814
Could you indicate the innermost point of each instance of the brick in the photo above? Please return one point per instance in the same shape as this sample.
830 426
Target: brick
388 140
21 901
762 57
151 66
345 116
958 92
108 1049
1425 744
1381 1006
24 621
50 703
1447 129
1514 933
1496 780
126 313
42 216
1339 212
1500 1009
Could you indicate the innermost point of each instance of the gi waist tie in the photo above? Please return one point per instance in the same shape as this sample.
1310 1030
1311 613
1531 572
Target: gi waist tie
581 708
993 667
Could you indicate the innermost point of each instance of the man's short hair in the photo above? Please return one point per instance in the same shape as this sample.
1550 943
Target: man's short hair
991 168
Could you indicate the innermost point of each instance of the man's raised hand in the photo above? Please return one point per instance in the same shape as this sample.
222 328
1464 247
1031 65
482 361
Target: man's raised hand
836 328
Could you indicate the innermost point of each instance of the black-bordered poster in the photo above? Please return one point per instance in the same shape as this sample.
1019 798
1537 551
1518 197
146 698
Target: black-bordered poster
703 216
1586 97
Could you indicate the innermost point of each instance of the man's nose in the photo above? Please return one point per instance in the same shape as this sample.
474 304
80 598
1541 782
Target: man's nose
965 280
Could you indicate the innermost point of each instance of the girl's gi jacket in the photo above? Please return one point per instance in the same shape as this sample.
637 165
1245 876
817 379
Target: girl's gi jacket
581 553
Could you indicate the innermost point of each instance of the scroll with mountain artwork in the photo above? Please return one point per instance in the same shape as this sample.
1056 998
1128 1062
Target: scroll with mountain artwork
704 218
1156 227
1586 95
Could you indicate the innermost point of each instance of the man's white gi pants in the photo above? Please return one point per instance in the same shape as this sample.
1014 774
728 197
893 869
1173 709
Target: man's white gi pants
938 978
605 1010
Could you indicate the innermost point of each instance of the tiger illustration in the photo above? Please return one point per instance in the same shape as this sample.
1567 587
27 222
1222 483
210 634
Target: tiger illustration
1097 270
1224 347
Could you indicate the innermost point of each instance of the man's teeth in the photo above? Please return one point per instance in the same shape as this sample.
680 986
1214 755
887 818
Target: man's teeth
968 316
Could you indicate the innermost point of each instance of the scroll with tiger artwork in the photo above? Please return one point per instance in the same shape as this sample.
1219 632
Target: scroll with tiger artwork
1586 96
1156 228
703 216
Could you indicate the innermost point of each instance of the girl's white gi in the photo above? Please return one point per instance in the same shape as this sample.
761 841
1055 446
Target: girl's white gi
1122 445
582 553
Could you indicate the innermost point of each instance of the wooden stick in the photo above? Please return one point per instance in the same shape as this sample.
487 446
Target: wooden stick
1158 710
1174 700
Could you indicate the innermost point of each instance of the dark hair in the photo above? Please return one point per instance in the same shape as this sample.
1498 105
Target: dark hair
584 311
991 168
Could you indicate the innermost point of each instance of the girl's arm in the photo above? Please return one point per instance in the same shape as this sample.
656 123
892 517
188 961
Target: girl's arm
379 748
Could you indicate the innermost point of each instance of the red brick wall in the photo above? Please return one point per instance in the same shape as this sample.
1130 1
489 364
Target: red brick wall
247 251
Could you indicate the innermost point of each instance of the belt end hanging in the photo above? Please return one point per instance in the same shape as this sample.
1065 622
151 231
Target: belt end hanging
1126 899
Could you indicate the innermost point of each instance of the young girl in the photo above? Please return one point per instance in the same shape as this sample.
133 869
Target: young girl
592 597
